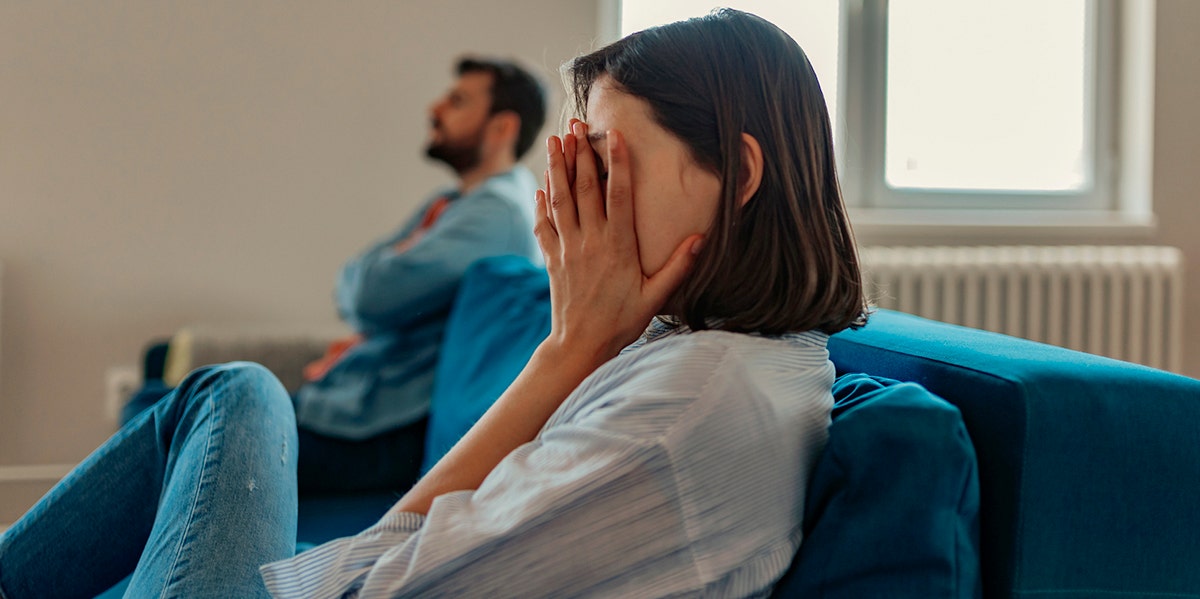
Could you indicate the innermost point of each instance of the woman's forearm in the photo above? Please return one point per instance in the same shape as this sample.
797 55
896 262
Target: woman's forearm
515 419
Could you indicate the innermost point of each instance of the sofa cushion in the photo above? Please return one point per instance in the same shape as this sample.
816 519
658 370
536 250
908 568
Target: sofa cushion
892 508
1087 465
500 315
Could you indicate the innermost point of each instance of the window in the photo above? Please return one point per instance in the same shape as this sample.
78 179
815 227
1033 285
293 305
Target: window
987 100
971 106
814 24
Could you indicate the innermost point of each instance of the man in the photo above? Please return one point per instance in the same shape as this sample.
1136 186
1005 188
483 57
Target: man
361 417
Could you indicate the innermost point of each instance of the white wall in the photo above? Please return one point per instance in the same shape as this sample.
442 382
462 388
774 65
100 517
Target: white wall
166 163
171 162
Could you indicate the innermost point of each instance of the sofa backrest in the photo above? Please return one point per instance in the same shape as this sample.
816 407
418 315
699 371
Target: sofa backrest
1088 466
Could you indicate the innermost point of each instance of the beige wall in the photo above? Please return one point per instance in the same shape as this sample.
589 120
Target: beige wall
171 162
167 163
1177 153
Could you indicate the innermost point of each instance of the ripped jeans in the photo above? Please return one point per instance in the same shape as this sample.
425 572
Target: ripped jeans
191 496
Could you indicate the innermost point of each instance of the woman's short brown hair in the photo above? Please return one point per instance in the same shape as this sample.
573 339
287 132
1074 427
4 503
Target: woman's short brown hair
785 260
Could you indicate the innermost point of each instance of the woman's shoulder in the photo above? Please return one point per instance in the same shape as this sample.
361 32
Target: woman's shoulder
696 357
669 382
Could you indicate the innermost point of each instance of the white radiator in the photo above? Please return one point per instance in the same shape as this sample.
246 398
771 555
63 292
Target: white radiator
1123 302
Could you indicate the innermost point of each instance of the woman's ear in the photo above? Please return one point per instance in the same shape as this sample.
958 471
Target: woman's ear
750 175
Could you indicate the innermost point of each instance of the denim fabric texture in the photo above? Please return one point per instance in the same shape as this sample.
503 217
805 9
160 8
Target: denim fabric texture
152 390
196 492
388 462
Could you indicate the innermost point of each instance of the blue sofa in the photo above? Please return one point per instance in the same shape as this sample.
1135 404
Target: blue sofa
961 463
1089 468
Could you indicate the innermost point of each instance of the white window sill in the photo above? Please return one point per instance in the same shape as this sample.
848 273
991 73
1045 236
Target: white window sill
924 226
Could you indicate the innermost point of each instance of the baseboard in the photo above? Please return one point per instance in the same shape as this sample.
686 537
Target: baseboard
22 486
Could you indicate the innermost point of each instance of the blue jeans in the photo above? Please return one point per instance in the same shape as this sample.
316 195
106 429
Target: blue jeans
389 461
191 496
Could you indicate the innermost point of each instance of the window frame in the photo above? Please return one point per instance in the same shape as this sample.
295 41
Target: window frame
864 73
1118 203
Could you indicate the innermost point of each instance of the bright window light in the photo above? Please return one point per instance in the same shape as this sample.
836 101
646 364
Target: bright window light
988 95
814 24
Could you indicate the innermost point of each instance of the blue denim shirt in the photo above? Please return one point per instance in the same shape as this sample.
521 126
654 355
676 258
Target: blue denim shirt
399 302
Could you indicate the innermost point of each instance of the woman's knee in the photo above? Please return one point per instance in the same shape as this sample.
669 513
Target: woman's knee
245 388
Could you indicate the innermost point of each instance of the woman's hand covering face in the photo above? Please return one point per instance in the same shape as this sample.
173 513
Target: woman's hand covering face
601 298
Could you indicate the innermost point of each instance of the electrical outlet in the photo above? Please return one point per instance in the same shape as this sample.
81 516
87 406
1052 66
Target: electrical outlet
120 383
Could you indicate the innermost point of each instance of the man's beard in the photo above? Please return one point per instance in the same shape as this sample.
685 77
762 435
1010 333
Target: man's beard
462 156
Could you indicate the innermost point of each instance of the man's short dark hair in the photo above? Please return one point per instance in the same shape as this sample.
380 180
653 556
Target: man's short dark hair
515 89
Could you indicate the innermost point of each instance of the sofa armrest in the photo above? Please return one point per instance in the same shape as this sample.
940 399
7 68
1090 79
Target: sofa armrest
1086 464
283 350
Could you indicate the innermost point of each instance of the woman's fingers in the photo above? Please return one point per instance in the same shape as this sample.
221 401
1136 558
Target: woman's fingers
562 204
543 228
546 188
659 287
570 150
619 200
588 197
585 229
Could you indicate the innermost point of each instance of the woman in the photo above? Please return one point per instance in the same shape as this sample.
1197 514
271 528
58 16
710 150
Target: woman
701 188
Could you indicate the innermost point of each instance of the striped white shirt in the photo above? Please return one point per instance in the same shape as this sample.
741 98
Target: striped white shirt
676 469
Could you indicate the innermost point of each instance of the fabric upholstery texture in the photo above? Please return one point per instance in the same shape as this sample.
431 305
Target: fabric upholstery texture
893 505
1087 465
501 314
